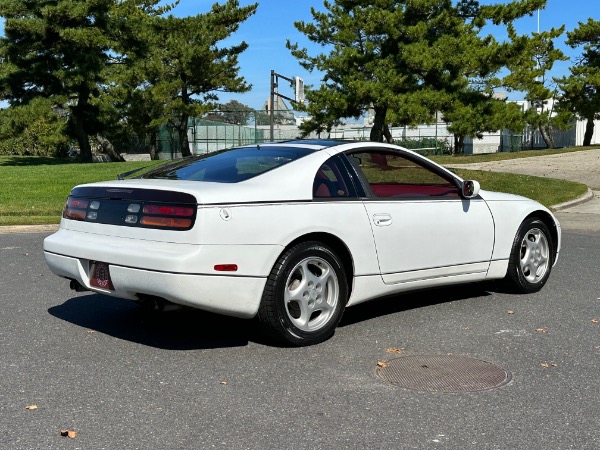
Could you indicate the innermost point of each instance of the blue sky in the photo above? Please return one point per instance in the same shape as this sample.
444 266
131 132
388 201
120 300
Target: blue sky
266 33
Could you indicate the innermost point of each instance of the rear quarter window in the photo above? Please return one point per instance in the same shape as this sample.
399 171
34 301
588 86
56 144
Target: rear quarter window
229 166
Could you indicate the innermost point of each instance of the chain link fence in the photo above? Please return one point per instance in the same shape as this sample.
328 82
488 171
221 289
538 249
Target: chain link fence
225 129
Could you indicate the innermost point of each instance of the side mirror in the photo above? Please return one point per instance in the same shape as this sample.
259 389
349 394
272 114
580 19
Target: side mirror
470 188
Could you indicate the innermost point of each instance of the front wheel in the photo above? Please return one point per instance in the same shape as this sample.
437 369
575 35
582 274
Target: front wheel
305 295
531 257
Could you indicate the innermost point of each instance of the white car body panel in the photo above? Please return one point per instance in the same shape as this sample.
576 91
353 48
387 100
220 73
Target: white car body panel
393 245
264 224
431 235
509 211
200 291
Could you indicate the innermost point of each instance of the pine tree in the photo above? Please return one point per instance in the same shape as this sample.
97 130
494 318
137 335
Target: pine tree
407 60
61 50
581 89
529 73
187 67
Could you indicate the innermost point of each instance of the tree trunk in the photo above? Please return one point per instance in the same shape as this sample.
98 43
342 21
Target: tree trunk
378 124
459 144
182 131
388 136
589 132
85 149
77 126
547 136
107 147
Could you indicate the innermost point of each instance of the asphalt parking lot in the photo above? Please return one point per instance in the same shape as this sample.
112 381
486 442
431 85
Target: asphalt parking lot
188 379
120 378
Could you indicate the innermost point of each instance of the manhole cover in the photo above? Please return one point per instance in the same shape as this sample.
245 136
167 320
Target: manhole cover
443 373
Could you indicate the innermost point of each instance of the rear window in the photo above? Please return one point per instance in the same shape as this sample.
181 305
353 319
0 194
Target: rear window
229 166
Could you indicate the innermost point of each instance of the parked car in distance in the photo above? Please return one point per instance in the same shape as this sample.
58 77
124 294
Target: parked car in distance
294 232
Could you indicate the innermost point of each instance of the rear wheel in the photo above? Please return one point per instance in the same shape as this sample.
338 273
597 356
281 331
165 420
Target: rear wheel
531 257
305 295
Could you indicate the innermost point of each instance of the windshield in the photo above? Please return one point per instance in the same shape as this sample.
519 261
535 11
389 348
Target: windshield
228 166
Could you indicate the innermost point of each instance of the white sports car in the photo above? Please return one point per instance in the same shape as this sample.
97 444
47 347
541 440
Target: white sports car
294 232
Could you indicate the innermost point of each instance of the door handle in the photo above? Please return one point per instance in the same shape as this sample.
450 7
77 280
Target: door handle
382 220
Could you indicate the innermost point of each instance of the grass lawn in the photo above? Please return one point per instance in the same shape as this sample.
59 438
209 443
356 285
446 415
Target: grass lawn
547 191
33 189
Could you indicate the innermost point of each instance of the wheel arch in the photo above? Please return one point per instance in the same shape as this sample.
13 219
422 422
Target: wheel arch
337 245
548 220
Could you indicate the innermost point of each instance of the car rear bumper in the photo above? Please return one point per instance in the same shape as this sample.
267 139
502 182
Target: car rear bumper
237 296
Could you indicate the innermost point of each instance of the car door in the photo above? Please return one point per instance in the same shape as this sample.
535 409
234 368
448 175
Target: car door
423 228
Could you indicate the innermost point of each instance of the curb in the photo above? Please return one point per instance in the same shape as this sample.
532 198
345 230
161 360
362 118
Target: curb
7 229
578 201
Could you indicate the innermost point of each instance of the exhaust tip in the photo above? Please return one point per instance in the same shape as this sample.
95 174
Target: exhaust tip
77 287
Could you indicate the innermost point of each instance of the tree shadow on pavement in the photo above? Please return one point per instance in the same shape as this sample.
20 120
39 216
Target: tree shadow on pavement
183 329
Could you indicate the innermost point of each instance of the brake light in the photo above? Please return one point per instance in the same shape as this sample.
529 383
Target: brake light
78 203
167 216
75 209
181 211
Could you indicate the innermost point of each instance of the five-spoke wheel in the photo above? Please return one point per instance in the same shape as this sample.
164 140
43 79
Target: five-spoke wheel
531 257
305 295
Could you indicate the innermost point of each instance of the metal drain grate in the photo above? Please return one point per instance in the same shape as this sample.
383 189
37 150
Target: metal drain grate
443 373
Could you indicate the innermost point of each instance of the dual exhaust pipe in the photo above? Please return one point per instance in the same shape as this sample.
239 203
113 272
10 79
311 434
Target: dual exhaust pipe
148 302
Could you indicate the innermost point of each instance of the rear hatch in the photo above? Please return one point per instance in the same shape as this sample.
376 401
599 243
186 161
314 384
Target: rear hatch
132 207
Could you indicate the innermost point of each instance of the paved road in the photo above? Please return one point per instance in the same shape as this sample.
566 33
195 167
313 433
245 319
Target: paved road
581 166
122 380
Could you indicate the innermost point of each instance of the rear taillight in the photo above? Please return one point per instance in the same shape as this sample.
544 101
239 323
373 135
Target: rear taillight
75 209
132 213
167 216
165 222
169 210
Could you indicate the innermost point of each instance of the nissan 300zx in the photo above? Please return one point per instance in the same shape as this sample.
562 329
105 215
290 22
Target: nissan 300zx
294 232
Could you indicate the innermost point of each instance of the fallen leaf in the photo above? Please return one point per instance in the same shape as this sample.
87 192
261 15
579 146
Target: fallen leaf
597 346
541 330
382 364
31 407
544 365
68 433
554 365
90 331
394 350
510 311
223 382
594 320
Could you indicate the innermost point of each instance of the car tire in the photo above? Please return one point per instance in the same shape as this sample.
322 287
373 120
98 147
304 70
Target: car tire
305 295
531 257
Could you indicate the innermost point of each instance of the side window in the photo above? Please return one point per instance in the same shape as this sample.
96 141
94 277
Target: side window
332 181
392 175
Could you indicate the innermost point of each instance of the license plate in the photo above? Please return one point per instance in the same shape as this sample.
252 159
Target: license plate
100 275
